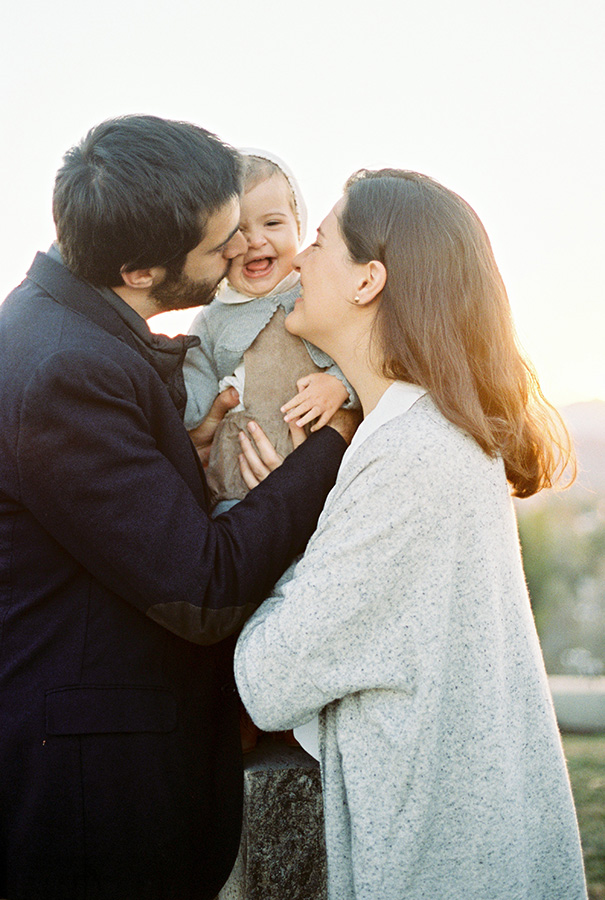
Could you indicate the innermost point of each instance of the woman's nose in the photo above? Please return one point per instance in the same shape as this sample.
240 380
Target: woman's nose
298 259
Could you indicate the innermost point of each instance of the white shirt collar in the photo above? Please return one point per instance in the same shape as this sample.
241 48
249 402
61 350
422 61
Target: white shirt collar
229 295
397 399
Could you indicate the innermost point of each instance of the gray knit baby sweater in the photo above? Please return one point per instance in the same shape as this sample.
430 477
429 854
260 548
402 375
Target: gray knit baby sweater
225 332
407 623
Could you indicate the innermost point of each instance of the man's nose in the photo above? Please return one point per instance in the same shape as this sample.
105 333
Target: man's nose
236 246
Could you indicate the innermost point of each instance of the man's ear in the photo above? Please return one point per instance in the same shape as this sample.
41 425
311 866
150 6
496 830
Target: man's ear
142 279
373 281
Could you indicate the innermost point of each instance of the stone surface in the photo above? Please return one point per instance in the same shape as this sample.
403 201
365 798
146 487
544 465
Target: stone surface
282 856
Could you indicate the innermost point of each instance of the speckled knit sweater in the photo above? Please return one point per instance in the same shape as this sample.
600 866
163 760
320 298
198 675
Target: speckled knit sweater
407 623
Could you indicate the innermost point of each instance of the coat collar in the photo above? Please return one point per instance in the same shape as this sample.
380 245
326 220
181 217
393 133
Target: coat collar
164 354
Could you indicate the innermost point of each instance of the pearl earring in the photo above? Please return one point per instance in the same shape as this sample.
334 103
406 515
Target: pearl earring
356 300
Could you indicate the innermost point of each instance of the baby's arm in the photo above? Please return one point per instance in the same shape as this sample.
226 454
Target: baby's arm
319 396
200 373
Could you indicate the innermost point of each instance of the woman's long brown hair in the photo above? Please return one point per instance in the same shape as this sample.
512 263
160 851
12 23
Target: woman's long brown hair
444 321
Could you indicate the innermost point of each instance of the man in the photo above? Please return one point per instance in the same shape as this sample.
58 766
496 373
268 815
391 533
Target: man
119 597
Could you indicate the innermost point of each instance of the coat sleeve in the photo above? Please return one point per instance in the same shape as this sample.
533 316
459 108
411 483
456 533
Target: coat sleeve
200 373
326 632
93 471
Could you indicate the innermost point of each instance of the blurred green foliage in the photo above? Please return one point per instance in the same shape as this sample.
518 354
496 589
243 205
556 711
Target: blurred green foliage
586 763
563 544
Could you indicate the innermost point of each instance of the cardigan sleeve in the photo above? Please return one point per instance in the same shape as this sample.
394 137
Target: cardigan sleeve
326 632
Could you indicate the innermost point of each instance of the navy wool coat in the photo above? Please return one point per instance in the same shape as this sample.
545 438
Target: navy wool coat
120 764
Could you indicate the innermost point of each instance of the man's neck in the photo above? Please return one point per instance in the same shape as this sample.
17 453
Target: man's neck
138 300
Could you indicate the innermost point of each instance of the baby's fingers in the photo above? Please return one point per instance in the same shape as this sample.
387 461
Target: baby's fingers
303 383
323 420
299 410
310 415
294 402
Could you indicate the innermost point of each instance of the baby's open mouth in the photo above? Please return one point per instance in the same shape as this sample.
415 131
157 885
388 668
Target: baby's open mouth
257 268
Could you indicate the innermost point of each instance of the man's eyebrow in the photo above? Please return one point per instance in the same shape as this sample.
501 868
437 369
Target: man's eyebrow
226 241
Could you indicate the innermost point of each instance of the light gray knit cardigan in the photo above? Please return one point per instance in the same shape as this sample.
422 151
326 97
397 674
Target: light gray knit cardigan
408 624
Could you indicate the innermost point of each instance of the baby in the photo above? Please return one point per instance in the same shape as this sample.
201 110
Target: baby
244 343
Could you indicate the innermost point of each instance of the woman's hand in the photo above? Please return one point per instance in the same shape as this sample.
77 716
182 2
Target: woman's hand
259 459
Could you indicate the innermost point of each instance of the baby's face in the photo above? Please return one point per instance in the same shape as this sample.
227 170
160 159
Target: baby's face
269 226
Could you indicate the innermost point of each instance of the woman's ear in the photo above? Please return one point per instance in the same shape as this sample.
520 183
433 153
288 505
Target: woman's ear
372 283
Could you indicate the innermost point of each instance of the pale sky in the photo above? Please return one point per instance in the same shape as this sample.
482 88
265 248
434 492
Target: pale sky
504 102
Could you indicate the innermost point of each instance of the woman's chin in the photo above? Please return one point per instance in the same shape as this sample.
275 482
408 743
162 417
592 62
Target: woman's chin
296 324
293 323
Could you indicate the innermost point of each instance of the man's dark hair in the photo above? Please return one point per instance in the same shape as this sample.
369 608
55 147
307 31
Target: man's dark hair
137 192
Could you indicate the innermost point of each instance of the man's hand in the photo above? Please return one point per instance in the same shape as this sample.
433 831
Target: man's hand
258 460
202 435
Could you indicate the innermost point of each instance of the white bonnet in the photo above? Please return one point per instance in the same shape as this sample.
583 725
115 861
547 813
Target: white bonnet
301 206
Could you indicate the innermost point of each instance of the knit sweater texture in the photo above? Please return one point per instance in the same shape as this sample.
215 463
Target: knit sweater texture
225 332
407 626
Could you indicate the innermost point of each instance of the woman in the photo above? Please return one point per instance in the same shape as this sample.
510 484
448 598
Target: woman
407 624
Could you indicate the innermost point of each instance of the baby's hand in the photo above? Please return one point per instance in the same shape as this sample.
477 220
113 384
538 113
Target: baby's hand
319 395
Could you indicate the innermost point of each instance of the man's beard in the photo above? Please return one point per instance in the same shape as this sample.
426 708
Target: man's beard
178 291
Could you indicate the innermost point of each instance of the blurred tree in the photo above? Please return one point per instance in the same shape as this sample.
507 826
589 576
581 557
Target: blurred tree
563 544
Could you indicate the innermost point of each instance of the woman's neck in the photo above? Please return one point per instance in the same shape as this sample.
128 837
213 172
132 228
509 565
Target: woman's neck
369 384
369 390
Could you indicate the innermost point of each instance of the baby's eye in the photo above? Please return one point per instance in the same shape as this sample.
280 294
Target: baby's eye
272 222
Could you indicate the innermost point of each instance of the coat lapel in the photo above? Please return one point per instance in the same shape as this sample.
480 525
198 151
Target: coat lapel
163 353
